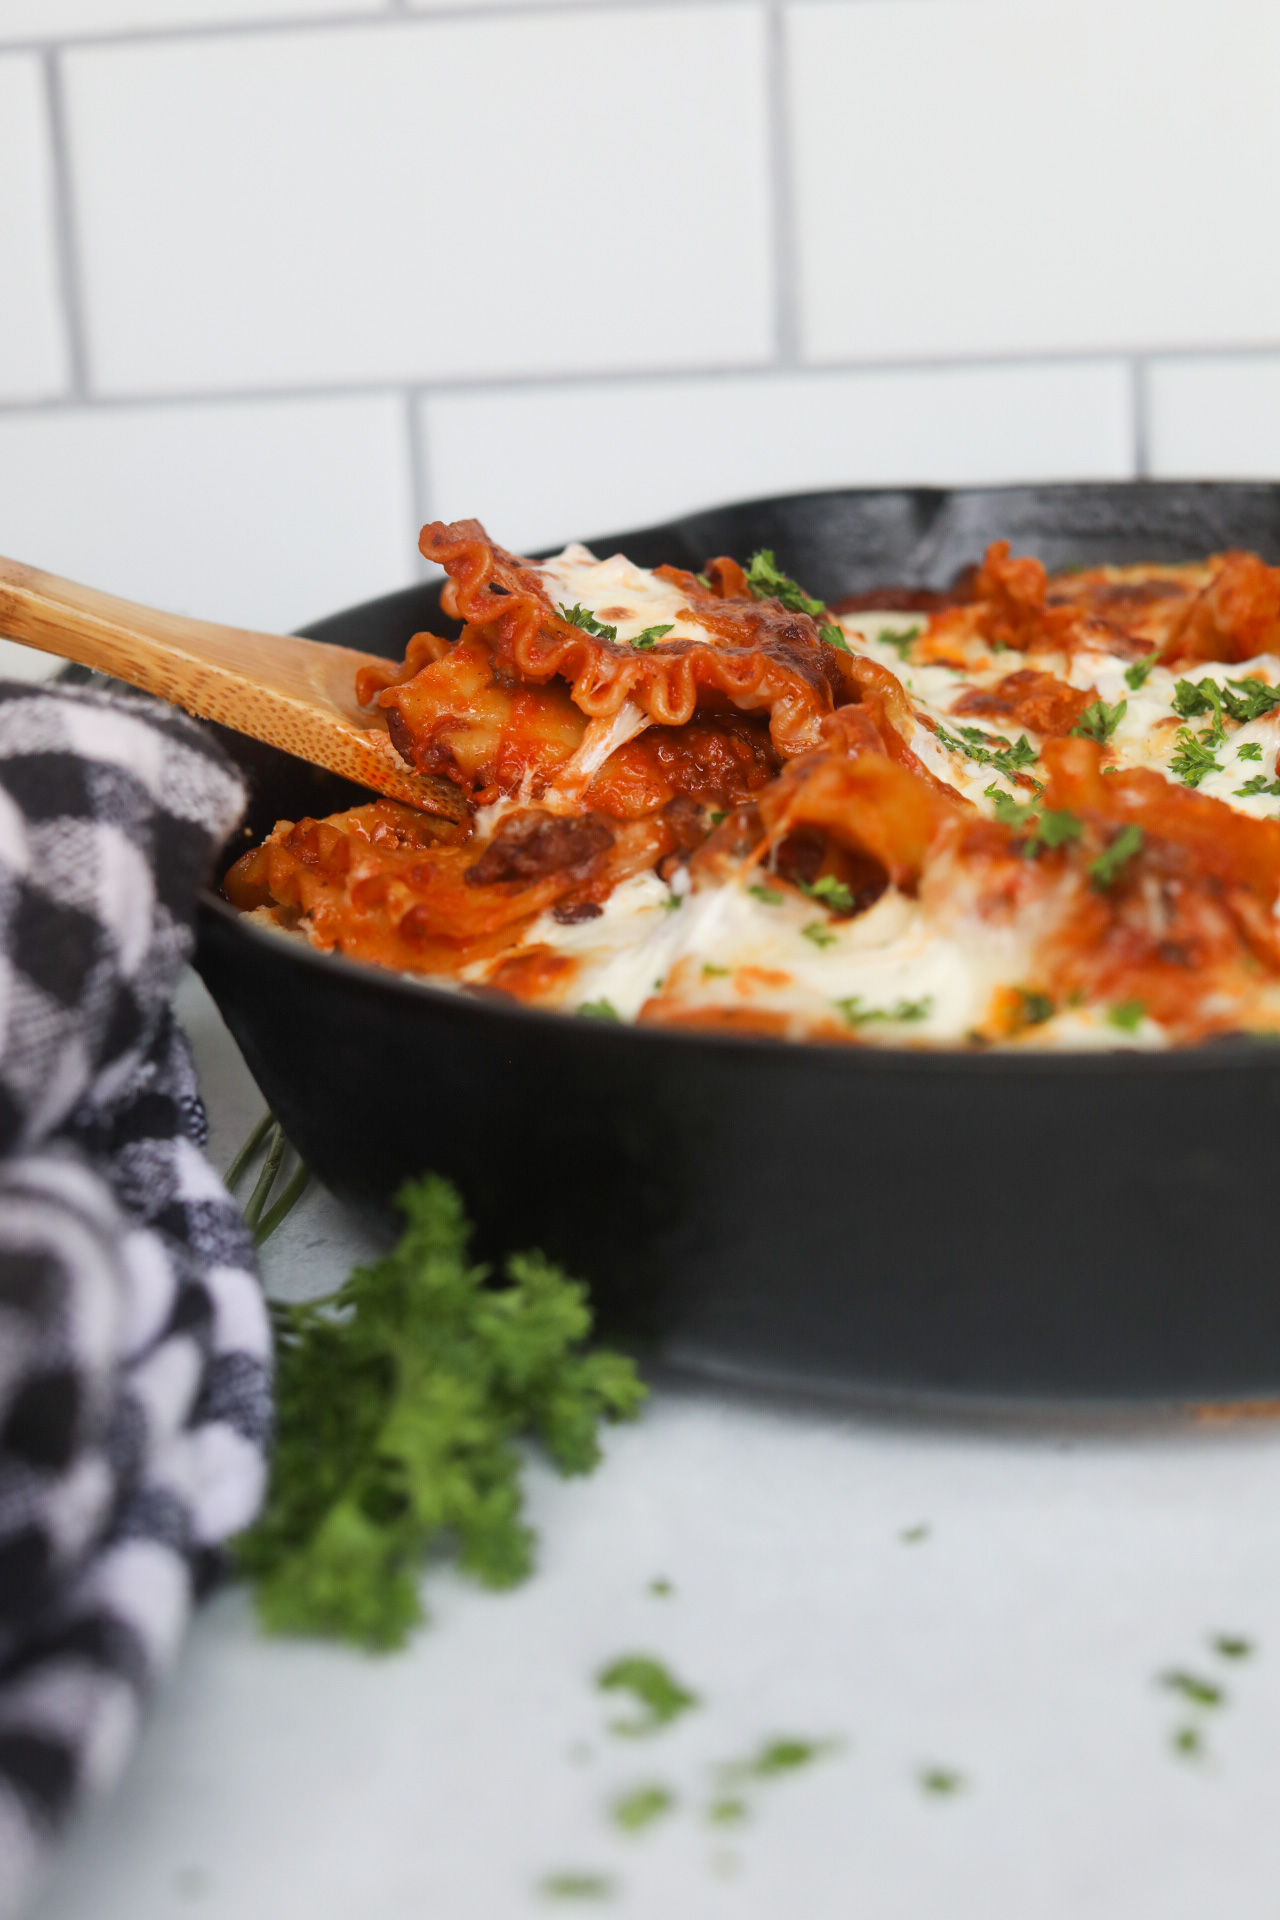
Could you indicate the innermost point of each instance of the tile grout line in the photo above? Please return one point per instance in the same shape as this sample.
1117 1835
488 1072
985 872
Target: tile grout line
387 14
419 470
67 252
1141 403
785 317
480 384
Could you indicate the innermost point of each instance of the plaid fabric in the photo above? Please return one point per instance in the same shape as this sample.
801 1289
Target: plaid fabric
134 1344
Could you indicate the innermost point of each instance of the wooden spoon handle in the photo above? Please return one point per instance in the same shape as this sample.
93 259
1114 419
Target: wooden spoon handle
294 694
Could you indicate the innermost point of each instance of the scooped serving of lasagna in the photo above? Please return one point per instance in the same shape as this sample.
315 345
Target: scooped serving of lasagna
1032 810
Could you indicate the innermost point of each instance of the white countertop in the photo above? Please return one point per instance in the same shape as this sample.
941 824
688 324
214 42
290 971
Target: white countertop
1019 1643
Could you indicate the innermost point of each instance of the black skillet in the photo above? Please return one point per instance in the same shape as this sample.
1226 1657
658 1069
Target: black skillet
1001 1225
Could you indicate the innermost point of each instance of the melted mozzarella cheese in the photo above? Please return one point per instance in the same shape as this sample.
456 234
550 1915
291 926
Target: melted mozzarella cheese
619 594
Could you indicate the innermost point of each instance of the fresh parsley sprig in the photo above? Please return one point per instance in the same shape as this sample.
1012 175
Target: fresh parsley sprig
1193 760
1259 784
1106 869
768 582
1044 828
1099 721
400 1402
1244 700
584 618
1136 676
647 639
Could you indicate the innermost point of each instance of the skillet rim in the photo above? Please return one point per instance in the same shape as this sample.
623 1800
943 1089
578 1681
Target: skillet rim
1227 1053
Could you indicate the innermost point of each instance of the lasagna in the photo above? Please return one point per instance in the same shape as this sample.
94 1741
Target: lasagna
1030 810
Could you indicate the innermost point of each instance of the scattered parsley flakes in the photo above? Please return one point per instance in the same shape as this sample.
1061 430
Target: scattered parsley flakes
598 1010
1249 751
1053 830
1259 783
1099 721
767 896
1128 1015
1136 676
582 617
1232 1646
651 635
831 892
576 1886
989 749
400 1400
1193 759
714 973
653 1688
1008 811
941 1780
1036 1007
1201 1693
820 934
768 582
1111 862
635 1811
899 638
902 1011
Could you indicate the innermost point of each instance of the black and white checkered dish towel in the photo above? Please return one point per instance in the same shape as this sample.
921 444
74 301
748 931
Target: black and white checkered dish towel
134 1345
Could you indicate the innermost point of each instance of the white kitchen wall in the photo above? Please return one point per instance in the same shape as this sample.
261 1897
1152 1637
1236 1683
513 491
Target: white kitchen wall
282 278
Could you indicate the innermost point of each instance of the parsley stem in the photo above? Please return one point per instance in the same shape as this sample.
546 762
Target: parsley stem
298 1183
267 1178
235 1172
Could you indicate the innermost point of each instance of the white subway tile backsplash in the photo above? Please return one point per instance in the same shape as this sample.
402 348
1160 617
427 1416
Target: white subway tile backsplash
264 514
1214 419
59 19
33 351
544 465
443 198
995 176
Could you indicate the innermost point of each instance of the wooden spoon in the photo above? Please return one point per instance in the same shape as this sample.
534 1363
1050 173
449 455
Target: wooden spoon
294 694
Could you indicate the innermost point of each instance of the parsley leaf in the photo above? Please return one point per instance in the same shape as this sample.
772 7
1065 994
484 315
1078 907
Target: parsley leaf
1128 1015
635 1811
652 1687
1259 783
768 582
834 637
714 973
650 635
1204 697
1232 1646
1008 811
900 638
1036 1007
1203 1693
819 934
581 617
1193 759
767 896
576 1886
1137 675
1249 699
1053 830
1113 859
833 893
989 749
601 1009
902 1011
1251 750
400 1402
1099 721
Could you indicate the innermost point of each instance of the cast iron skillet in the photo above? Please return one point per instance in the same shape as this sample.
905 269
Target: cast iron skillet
1014 1225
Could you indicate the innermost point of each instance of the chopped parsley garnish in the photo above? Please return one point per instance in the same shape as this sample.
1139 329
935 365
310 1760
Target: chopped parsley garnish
703 581
913 1535
728 1811
989 749
1232 1646
903 1011
1249 699
831 892
1053 830
576 1886
1136 676
635 1811
1008 811
1193 759
834 637
582 617
941 1780
661 1589
899 638
1036 1007
1128 1015
1099 721
400 1403
672 902
1249 751
1113 859
1259 783
1205 696
656 1691
600 1009
714 973
650 635
767 896
718 814
767 581
1188 1741
820 934
1202 1693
